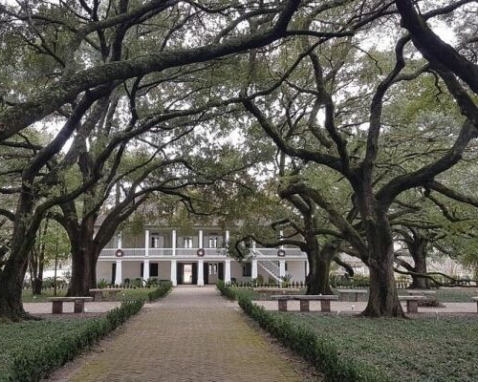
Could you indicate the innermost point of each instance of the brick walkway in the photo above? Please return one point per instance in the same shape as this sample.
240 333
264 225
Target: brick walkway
191 335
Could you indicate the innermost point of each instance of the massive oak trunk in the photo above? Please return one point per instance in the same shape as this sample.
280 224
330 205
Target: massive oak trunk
418 250
22 243
383 299
317 281
84 254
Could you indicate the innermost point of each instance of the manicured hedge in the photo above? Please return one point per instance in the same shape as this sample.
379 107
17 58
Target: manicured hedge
35 363
322 354
160 291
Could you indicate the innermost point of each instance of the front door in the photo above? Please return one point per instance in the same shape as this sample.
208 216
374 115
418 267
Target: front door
212 272
187 274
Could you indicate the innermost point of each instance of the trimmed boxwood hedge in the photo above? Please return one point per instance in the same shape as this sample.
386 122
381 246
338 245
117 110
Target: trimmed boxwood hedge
160 291
34 363
320 352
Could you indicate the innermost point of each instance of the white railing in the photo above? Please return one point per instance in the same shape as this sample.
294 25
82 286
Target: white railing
157 252
160 252
128 252
273 252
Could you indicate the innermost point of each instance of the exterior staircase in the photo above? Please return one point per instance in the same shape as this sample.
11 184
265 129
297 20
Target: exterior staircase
271 268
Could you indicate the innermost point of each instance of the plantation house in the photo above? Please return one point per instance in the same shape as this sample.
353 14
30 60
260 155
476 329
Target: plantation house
197 257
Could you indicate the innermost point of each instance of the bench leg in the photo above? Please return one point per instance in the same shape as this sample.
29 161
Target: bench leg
57 307
282 305
79 306
477 307
412 306
325 305
304 306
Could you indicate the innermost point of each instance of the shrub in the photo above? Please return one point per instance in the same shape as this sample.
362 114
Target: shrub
102 284
34 363
160 291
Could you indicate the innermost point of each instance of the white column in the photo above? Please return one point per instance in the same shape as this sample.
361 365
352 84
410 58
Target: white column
174 245
228 235
146 270
174 272
200 272
119 241
146 242
254 269
201 238
119 272
281 234
307 269
281 268
227 272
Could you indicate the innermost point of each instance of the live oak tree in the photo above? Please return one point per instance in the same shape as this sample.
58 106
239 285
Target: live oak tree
348 139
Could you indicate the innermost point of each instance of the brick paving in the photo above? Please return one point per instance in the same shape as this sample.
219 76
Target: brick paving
191 335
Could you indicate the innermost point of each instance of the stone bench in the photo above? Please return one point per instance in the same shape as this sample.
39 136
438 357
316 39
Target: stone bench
412 302
304 301
79 303
476 299
275 290
354 292
100 294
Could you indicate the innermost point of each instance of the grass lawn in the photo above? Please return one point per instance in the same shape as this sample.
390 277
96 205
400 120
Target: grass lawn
418 350
16 338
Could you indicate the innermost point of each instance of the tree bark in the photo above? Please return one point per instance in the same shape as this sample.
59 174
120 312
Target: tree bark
84 257
383 299
418 250
318 279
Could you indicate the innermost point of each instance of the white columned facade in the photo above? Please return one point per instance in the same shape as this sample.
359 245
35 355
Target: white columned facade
200 272
227 272
254 269
281 268
174 266
119 272
173 245
146 242
146 270
201 238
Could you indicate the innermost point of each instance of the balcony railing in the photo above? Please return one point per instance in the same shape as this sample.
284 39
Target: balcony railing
273 252
192 252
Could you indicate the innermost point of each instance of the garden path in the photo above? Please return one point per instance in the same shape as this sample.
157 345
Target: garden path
191 335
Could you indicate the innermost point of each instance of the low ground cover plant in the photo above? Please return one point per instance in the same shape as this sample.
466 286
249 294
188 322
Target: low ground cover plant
418 350
32 349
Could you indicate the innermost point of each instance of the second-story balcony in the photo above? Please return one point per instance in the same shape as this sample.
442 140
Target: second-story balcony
193 252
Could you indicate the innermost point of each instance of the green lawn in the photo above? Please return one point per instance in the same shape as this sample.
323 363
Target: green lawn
418 350
16 338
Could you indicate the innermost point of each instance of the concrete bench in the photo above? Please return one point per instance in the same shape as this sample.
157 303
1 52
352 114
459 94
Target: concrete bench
412 302
100 294
275 290
476 299
79 303
304 301
353 292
